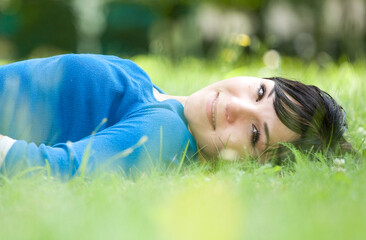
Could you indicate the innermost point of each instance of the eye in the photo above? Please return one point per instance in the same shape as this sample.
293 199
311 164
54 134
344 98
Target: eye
261 91
255 135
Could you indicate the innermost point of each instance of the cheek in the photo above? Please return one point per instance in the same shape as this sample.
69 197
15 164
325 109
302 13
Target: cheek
230 138
211 143
236 139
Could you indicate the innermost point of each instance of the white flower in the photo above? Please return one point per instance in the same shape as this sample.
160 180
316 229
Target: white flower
338 165
207 179
339 162
361 130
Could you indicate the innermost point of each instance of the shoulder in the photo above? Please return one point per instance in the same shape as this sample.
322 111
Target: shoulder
168 139
93 59
101 64
164 122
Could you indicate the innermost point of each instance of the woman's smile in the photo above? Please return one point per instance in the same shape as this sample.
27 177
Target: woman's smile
211 109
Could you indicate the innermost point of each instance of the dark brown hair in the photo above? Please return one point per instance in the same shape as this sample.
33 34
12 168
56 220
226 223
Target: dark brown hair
311 113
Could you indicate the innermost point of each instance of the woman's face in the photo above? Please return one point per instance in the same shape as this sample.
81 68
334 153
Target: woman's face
236 114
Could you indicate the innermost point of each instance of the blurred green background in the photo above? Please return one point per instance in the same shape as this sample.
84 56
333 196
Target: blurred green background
228 29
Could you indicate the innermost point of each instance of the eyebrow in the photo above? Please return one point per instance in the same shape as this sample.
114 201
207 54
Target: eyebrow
271 92
266 131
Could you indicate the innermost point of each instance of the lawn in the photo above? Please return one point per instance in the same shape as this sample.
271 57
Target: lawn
229 200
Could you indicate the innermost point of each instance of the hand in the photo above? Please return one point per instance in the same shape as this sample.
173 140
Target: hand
5 144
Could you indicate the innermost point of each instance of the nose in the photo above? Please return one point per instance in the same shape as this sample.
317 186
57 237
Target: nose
238 108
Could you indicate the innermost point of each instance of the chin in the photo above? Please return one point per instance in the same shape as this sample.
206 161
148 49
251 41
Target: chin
208 154
193 115
206 147
188 110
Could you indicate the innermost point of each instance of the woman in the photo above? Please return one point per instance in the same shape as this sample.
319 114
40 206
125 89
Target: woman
79 113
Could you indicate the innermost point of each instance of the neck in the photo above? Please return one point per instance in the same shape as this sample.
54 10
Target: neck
161 97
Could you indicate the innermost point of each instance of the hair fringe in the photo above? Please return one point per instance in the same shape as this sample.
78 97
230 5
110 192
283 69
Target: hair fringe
314 115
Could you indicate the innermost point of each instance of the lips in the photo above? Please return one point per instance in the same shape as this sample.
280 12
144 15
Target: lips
211 109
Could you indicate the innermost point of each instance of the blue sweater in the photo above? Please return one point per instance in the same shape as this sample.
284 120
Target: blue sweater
55 107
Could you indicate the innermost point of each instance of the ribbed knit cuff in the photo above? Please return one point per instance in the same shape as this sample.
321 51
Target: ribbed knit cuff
5 144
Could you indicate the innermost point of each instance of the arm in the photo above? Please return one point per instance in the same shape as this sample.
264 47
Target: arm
131 145
113 148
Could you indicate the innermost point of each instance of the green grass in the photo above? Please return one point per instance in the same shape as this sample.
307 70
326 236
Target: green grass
242 200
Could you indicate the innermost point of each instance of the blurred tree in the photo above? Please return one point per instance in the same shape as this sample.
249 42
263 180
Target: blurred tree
175 33
44 23
127 27
8 24
90 24
303 28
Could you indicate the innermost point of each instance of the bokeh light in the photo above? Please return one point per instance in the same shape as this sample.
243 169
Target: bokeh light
272 59
243 40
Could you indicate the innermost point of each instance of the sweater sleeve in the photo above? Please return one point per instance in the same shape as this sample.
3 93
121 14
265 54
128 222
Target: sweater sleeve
65 97
130 146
